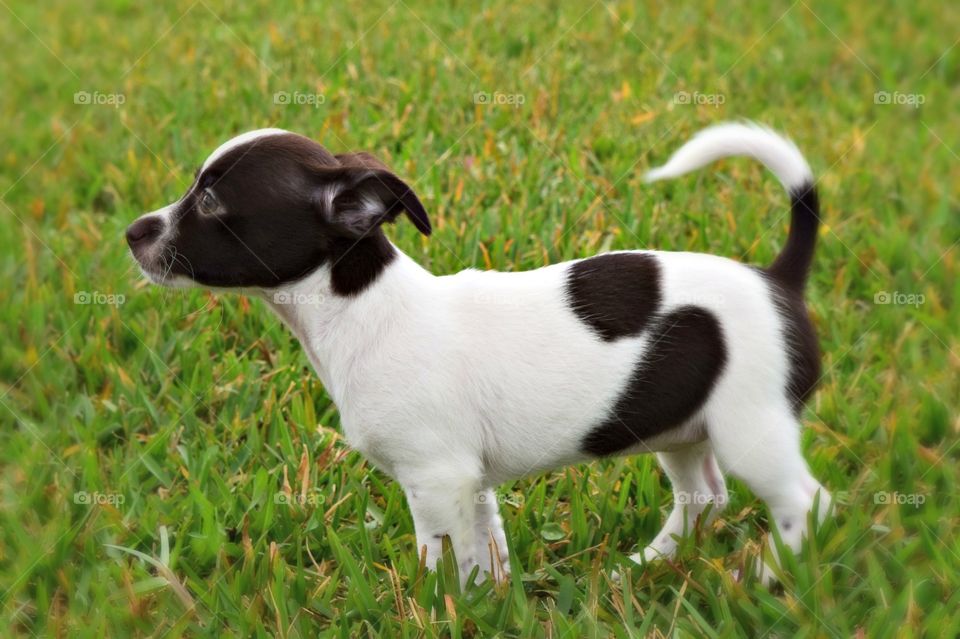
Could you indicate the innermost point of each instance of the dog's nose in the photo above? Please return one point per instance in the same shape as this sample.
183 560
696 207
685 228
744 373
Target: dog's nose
144 230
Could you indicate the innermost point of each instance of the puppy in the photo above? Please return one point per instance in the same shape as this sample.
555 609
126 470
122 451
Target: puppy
455 384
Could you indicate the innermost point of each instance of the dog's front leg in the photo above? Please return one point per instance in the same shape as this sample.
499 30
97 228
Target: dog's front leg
442 504
492 551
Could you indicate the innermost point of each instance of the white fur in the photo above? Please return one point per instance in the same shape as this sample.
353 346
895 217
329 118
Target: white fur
777 153
234 142
456 384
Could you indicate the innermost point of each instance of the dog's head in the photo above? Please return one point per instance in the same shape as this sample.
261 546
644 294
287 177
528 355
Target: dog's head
269 207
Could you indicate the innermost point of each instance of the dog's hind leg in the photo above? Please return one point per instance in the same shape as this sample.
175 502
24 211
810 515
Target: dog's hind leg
697 484
761 446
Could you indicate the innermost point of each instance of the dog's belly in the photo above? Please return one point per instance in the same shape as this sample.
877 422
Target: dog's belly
546 416
550 455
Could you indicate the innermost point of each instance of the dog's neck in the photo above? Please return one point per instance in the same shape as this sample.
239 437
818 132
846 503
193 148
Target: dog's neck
336 330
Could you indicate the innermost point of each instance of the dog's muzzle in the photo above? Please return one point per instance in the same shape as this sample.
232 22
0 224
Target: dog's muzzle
143 233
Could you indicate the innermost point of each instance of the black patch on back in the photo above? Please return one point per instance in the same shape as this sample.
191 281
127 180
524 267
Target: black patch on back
615 294
684 359
803 348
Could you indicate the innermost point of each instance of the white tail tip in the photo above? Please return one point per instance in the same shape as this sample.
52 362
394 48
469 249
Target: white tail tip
774 151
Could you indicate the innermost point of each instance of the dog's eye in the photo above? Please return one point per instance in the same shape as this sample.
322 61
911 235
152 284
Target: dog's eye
209 204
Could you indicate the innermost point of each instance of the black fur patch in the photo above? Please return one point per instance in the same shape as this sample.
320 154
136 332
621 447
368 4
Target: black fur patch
802 344
685 357
792 265
356 265
615 294
284 211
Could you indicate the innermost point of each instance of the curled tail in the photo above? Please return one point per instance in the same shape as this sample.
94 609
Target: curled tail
782 157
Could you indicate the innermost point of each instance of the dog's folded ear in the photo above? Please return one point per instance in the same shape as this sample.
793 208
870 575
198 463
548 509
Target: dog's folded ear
365 195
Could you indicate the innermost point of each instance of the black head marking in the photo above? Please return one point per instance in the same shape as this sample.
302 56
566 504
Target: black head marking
284 206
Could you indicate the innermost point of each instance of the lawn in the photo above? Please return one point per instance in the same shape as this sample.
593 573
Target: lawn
171 467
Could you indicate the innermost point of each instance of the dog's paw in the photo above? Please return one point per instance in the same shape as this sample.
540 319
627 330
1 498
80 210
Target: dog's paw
499 573
653 553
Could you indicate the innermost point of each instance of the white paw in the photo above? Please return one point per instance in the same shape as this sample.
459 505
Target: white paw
655 552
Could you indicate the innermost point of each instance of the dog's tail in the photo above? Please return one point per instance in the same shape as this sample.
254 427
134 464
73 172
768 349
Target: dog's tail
782 157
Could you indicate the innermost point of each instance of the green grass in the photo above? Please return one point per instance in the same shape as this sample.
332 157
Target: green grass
187 413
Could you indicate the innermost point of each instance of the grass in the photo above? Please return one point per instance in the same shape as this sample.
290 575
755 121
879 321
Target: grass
149 440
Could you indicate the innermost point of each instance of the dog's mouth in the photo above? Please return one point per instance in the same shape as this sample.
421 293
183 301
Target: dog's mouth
155 273
159 267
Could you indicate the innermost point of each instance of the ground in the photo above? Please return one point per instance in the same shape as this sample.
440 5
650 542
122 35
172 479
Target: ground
170 466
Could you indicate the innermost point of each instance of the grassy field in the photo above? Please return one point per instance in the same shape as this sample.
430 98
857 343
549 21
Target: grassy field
170 466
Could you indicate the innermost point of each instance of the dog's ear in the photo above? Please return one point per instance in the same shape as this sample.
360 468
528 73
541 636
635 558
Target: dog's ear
364 195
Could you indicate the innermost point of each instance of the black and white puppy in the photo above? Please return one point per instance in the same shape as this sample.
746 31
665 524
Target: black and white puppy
455 384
